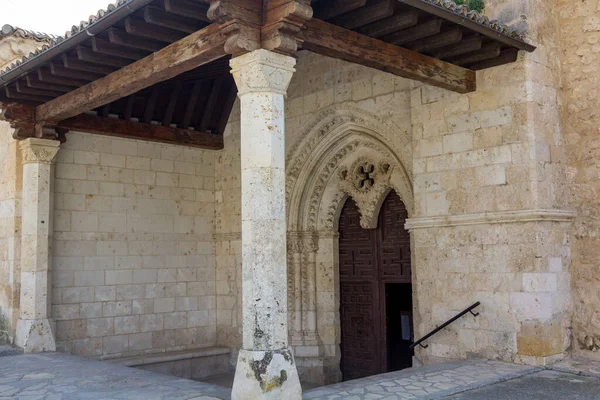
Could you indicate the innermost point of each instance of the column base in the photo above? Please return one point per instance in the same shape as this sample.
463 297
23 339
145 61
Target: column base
35 335
266 375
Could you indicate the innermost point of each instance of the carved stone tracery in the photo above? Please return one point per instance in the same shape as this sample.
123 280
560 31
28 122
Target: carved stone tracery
343 153
367 181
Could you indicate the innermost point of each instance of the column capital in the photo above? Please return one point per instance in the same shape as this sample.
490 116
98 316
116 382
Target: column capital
263 71
35 150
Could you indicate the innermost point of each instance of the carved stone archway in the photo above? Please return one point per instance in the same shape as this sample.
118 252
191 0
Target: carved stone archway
344 152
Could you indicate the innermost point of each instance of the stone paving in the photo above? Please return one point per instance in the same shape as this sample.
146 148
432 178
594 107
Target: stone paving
543 385
430 382
579 366
54 376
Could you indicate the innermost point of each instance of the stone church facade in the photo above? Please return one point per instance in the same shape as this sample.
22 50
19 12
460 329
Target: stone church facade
499 188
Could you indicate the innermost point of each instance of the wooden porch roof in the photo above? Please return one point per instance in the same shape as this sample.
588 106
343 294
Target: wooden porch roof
198 102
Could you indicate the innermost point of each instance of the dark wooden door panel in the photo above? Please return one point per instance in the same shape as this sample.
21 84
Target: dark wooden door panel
367 259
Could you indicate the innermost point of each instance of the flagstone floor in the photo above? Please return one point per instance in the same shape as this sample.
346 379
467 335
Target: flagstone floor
55 376
430 382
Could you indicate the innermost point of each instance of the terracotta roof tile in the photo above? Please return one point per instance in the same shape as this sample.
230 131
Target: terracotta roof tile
52 40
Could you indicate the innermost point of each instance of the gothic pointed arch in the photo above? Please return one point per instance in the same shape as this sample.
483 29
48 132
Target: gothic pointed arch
346 151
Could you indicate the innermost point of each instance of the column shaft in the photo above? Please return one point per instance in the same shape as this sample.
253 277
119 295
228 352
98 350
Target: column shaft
34 328
266 368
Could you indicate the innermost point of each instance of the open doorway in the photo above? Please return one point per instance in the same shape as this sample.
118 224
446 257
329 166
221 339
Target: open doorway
375 291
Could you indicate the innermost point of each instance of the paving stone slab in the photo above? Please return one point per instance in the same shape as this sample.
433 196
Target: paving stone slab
430 382
55 376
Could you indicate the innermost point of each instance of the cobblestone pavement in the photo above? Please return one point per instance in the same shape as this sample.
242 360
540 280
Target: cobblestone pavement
56 376
430 382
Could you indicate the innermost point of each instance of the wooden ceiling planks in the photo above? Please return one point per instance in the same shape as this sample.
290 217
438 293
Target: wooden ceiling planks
424 27
145 32
201 99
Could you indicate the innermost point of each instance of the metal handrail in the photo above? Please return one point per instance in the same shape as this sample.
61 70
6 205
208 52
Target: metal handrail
445 324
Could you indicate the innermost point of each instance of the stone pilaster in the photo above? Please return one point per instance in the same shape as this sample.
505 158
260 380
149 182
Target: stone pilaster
34 328
266 368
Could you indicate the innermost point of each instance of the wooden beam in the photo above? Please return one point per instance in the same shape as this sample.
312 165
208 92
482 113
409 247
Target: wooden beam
45 75
14 95
23 88
34 82
506 56
332 8
129 108
195 50
210 105
57 69
421 31
75 63
105 110
390 25
172 104
105 47
447 38
465 46
155 16
432 8
86 54
488 51
332 41
188 9
227 108
374 11
141 131
282 22
191 105
124 39
142 29
150 107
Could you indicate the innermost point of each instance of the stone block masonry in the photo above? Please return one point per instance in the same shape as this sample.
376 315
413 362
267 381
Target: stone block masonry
133 250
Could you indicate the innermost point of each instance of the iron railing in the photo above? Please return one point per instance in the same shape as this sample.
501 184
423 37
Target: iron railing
445 324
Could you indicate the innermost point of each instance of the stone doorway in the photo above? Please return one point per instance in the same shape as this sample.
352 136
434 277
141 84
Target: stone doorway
375 291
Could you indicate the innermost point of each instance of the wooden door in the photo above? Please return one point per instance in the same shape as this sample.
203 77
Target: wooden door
368 259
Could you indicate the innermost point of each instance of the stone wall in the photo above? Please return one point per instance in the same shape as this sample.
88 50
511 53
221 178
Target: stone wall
10 228
12 48
491 203
133 251
580 56
335 113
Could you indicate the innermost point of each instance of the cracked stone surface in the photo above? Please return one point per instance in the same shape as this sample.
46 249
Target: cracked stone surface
430 382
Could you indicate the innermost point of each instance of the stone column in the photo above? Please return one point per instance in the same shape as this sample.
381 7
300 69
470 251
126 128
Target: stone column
34 328
266 368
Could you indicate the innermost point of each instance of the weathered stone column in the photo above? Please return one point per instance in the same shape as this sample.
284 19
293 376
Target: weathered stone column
34 328
266 368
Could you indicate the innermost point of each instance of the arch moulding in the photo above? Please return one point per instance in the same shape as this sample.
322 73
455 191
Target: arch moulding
343 152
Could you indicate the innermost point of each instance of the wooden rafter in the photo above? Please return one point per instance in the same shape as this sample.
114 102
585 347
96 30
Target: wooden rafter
196 49
136 130
332 8
333 41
